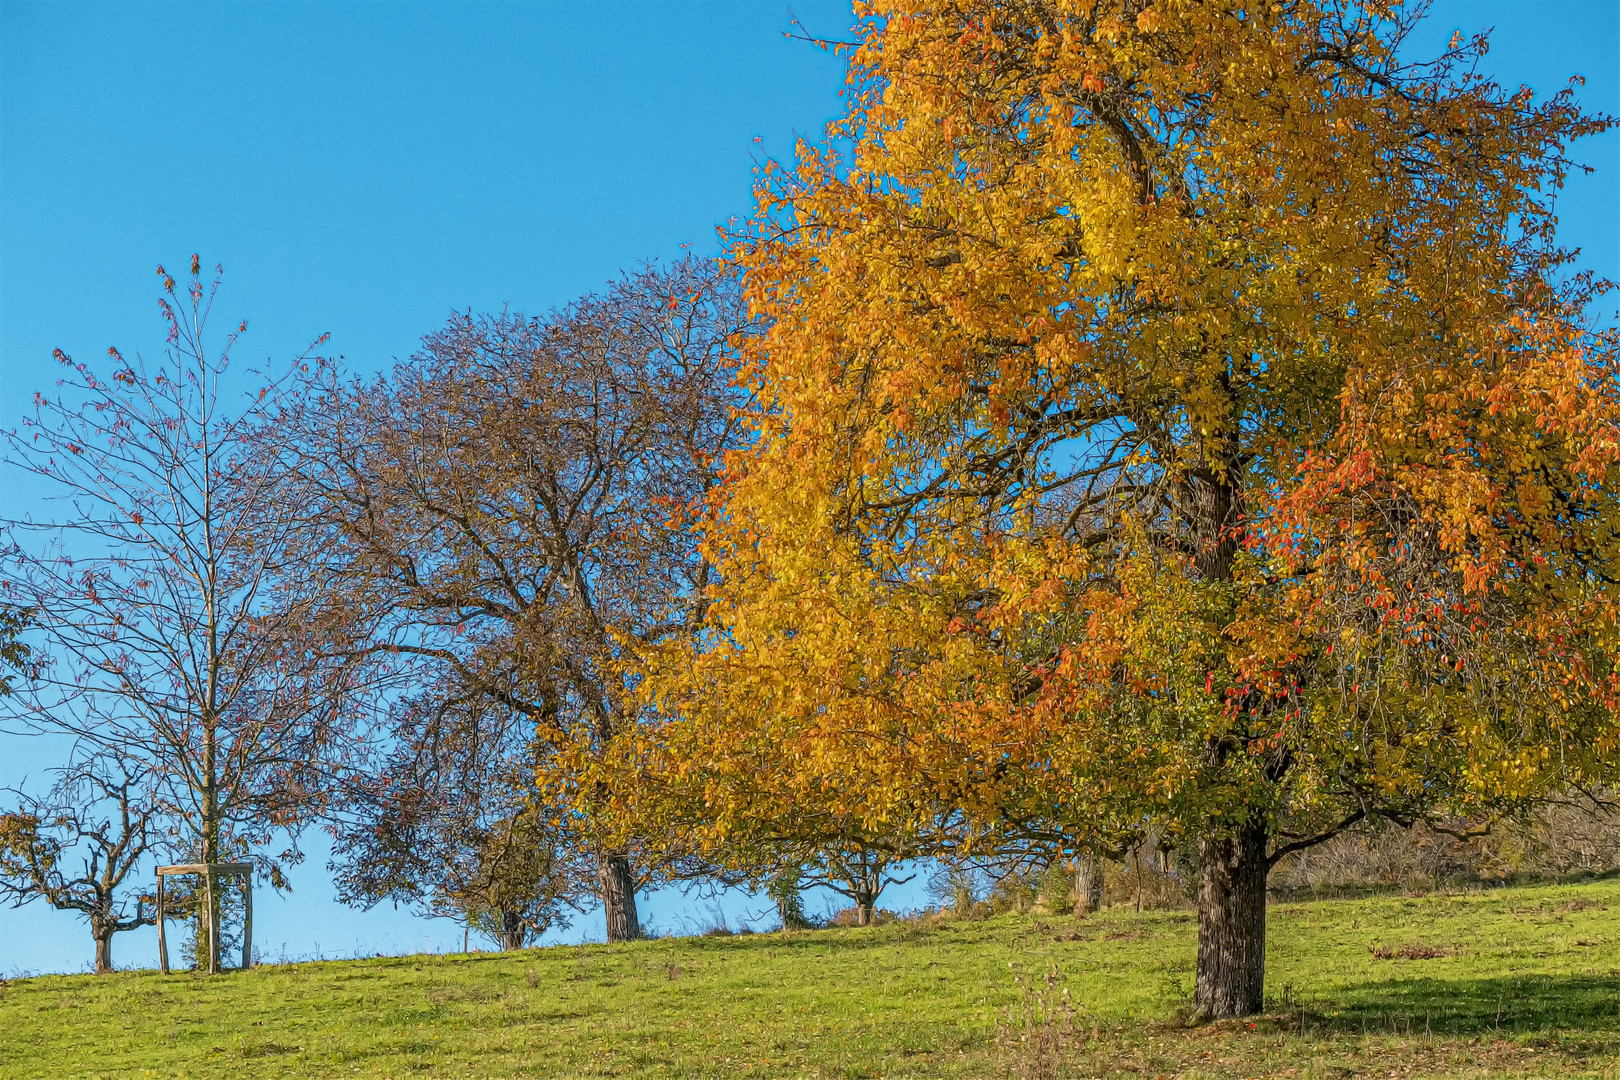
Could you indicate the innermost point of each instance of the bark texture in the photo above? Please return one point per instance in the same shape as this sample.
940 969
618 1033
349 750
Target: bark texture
1232 874
1088 884
617 886
103 934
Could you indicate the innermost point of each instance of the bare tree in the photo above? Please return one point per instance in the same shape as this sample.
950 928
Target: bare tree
171 629
76 847
510 508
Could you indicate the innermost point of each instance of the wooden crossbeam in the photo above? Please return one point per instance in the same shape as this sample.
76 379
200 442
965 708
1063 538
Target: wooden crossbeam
203 868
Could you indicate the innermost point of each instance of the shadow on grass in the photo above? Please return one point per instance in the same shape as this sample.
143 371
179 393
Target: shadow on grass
1499 1007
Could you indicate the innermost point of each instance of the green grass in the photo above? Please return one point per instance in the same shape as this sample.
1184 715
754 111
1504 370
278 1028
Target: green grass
1512 982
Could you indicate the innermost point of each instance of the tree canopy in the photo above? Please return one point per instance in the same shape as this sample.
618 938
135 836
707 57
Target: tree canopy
509 511
169 624
1173 412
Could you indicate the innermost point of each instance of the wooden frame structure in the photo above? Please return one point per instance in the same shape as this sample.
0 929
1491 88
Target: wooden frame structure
209 872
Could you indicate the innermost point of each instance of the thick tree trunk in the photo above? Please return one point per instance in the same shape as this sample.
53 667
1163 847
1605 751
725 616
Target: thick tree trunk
617 886
103 935
511 930
1232 873
1088 884
865 909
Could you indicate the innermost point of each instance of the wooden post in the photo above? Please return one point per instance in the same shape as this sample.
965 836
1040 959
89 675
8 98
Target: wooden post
163 946
208 916
213 928
247 919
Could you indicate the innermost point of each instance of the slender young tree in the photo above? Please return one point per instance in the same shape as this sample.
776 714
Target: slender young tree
508 513
170 628
77 846
1177 412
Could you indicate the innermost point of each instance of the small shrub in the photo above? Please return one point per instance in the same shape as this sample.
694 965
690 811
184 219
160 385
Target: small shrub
1057 889
846 917
1015 890
1039 1039
956 889
784 892
1145 883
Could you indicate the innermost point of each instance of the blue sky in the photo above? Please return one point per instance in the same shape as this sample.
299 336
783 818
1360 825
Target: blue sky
364 169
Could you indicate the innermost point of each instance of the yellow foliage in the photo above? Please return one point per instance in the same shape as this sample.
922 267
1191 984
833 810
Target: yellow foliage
1172 410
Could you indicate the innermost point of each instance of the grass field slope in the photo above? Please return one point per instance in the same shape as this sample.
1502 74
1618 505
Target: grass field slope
1505 982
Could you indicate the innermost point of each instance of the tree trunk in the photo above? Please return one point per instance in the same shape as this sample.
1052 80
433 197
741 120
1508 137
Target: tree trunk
1232 872
511 930
209 915
865 908
103 934
1088 884
617 887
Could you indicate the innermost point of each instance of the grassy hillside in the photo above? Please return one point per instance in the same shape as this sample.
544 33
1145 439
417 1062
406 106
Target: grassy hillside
1516 982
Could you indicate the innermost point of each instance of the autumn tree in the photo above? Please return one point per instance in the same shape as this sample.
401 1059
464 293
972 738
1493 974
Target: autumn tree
76 847
449 821
169 628
859 872
508 513
1173 413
